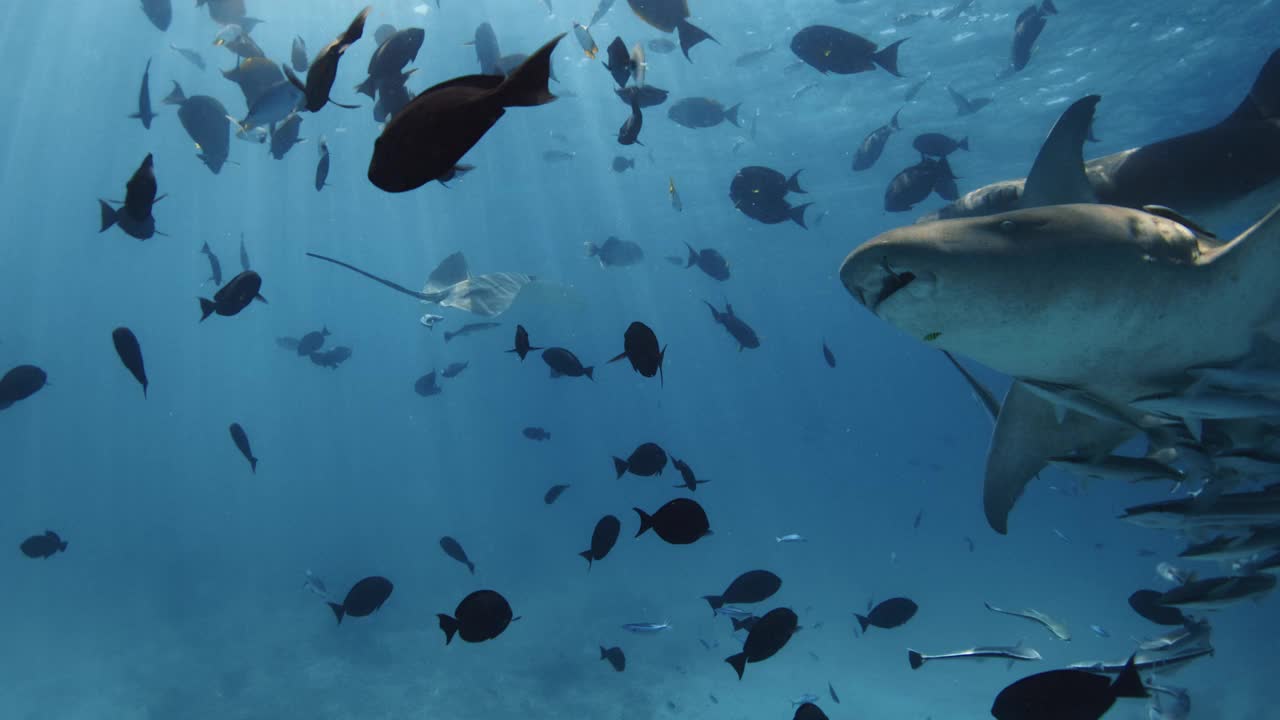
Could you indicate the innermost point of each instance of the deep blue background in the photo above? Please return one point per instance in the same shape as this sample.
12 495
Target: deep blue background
180 594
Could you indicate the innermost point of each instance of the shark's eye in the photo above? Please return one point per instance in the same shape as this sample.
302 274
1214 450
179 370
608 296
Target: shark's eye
1008 226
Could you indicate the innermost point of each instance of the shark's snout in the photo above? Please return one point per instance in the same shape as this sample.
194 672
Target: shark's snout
874 279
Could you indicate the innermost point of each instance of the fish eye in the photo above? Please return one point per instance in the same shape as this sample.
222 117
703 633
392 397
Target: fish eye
1008 226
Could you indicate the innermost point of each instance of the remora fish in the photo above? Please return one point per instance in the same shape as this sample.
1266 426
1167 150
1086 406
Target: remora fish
1056 628
917 659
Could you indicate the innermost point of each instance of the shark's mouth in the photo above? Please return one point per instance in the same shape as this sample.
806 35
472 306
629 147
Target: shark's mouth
890 283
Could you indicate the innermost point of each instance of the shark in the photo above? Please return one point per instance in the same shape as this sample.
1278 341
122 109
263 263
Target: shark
1236 167
1116 303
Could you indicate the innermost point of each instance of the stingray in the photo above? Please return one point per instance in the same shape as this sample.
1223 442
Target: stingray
451 284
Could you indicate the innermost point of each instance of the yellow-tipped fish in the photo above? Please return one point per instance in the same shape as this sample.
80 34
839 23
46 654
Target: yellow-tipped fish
587 42
675 195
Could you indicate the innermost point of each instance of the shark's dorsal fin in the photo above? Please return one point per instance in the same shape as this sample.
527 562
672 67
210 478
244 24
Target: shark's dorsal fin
1026 435
1057 177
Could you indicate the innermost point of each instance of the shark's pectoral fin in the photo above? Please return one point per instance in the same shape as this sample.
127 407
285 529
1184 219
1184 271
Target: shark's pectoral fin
1027 434
1057 177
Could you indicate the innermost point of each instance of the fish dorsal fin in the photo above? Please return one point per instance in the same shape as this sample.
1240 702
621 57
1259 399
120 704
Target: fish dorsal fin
451 271
1057 177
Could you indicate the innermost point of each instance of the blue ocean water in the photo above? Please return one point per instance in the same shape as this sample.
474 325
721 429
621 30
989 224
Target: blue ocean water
180 594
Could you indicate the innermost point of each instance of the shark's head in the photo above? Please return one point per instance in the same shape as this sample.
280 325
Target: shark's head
1027 290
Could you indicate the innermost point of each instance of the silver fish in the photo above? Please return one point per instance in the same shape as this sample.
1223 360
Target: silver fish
1146 661
916 659
646 628
1053 626
793 537
316 585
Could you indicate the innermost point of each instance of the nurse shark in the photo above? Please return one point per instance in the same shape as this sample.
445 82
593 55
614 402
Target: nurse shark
1109 303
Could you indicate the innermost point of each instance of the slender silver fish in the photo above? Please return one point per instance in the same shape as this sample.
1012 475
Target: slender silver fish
646 628
916 659
1058 629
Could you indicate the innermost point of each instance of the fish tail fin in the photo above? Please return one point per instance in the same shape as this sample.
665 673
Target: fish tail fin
587 554
793 183
864 621
797 215
915 659
206 308
175 96
1129 684
205 249
893 122
693 256
324 330
646 521
590 372
602 652
591 249
1263 101
691 35
368 87
472 567
715 601
620 466
1048 7
738 624
732 115
526 86
963 144
63 546
449 626
356 29
715 314
887 57
108 215
739 663
338 611
253 465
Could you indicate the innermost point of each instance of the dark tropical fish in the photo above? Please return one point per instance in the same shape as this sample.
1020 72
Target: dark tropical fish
873 144
662 46
564 363
741 332
285 136
554 493
709 261
469 329
426 139
809 711
965 105
760 194
453 549
629 133
938 145
487 52
364 598
43 546
215 267
671 16
602 540
454 369
312 341
640 346
646 95
621 164
1066 695
536 433
234 296
237 40
558 156
394 96
332 358
889 614
828 355
615 657
205 120
915 183
159 12
679 522
130 354
701 112
646 460
20 383
750 587
191 56
829 49
426 385
324 68
482 615
227 12
144 99
691 481
241 439
1026 31
834 697
391 57
322 166
522 347
769 634
298 56
254 76
134 216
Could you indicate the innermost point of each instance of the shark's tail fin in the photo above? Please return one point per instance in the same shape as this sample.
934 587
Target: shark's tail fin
1262 104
